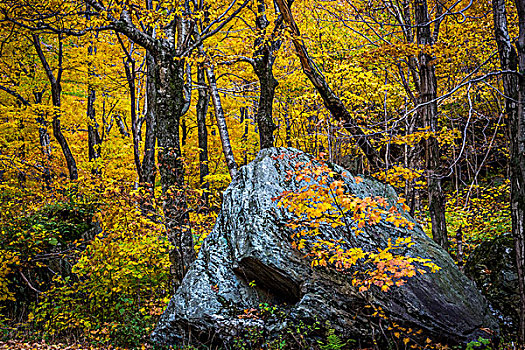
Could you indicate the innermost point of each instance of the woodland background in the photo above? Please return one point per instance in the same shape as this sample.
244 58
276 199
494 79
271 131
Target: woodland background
123 121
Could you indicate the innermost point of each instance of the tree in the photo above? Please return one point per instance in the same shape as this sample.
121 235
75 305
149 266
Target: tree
172 99
12 83
150 139
94 140
512 61
148 162
331 101
262 62
221 122
129 67
202 130
429 115
56 91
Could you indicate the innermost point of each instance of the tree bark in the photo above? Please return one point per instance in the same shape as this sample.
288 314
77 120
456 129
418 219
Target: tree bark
202 131
221 123
169 103
45 140
56 90
213 94
243 111
428 112
517 170
331 101
262 61
43 134
187 103
150 138
94 140
512 59
129 68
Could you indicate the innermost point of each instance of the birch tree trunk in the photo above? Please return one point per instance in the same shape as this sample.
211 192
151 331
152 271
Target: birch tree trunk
221 123
150 138
94 141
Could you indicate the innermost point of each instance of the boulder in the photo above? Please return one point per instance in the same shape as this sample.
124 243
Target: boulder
492 266
248 261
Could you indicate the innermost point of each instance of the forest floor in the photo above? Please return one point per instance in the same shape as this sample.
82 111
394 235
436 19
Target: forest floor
13 344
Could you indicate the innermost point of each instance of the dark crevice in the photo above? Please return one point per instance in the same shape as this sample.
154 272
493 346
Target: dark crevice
269 279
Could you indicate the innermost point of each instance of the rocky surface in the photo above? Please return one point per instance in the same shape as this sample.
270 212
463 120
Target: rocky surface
492 266
248 260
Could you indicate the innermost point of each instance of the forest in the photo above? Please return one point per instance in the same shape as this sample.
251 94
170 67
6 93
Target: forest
128 128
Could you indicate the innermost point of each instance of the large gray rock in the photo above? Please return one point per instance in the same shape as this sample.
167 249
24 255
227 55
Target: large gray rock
492 266
250 242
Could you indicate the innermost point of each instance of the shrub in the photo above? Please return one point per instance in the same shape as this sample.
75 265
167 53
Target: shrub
119 286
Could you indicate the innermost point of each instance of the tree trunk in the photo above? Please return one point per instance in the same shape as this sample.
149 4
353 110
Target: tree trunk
263 60
129 67
517 170
331 101
243 111
56 90
514 89
94 141
148 161
169 103
429 114
221 123
43 134
264 116
202 131
45 141
150 139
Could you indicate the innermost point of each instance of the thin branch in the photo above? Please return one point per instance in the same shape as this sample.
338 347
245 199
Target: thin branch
29 283
15 94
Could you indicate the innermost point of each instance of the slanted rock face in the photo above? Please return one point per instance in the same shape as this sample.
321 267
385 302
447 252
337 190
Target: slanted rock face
250 242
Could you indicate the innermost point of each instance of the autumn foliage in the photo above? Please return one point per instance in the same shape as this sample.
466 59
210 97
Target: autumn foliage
89 254
323 201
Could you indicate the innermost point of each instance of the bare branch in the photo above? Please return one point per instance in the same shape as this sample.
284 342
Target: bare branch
15 94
